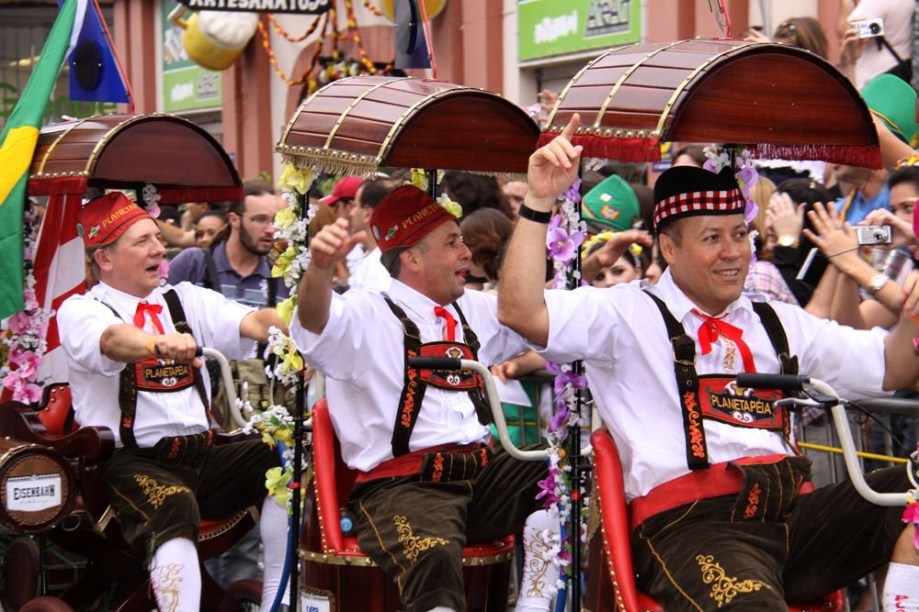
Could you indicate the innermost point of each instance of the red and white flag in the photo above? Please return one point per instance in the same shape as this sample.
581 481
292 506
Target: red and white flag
59 273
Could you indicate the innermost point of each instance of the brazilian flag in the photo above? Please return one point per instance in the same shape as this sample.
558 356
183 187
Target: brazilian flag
17 145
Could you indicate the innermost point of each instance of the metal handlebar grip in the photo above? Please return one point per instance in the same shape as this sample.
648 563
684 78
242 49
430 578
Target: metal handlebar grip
782 382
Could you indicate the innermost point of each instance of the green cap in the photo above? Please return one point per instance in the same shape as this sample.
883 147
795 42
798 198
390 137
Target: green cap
611 204
894 101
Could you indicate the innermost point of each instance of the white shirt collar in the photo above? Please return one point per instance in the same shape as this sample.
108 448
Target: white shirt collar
679 303
421 305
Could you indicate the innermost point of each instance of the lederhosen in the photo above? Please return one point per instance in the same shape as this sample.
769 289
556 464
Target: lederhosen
415 512
740 534
161 492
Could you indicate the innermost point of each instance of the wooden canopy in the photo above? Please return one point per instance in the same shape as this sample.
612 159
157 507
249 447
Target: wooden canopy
781 101
180 159
358 124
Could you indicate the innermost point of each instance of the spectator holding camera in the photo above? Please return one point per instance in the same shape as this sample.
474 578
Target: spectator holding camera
876 38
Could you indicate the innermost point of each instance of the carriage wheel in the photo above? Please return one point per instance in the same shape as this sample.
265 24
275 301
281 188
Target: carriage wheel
46 604
22 563
246 593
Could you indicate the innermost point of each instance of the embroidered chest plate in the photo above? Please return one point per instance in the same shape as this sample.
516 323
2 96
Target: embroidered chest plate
453 380
163 375
721 399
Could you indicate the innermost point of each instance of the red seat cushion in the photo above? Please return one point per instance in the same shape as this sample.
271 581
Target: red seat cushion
615 520
334 481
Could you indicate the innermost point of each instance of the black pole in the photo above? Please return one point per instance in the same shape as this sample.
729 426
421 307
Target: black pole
293 550
574 443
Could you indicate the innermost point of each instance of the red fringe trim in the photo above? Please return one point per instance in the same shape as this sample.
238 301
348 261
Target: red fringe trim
866 156
200 194
608 147
648 149
78 185
58 186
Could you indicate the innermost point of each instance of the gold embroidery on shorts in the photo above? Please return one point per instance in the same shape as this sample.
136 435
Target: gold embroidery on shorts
724 588
157 493
537 560
413 545
167 581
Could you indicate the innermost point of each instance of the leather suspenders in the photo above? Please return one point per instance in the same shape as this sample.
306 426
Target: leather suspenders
687 379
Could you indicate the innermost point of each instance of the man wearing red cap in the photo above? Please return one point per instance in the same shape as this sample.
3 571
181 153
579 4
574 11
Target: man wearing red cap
428 483
131 344
716 519
343 195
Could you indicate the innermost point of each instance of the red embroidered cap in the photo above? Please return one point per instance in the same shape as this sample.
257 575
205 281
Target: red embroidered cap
107 217
684 191
405 216
344 189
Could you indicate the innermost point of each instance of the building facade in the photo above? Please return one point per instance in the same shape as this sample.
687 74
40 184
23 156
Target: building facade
515 47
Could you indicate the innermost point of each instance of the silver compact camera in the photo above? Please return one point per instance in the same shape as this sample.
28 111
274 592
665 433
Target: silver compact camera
869 28
873 234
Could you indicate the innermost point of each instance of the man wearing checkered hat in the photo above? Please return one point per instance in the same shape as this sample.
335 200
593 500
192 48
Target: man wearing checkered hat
716 513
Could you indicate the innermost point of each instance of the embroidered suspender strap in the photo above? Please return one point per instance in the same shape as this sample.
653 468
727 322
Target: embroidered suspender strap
127 398
777 337
127 401
482 408
687 382
776 332
412 389
178 319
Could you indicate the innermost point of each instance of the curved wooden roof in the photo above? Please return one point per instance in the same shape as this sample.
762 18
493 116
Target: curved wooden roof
176 156
782 101
358 124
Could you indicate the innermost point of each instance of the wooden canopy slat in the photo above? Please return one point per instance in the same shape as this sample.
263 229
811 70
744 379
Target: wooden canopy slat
167 152
356 125
778 100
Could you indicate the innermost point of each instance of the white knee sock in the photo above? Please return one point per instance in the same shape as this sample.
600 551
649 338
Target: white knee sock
176 576
540 571
901 588
273 529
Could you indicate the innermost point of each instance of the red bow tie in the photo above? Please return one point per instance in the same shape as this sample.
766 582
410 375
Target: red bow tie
711 328
449 323
153 310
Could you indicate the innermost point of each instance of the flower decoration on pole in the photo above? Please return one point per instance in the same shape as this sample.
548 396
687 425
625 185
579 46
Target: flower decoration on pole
24 338
275 424
565 236
566 233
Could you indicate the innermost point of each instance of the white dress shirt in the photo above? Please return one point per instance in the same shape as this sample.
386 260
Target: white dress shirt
628 360
95 379
361 352
368 273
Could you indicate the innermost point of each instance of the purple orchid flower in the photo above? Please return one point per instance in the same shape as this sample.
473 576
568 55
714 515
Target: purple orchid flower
559 420
574 191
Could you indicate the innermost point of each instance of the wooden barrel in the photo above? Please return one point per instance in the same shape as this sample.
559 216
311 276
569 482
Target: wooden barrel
781 101
358 124
36 487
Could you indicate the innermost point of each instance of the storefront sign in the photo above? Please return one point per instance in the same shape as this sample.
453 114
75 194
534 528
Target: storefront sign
186 85
548 27
292 7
